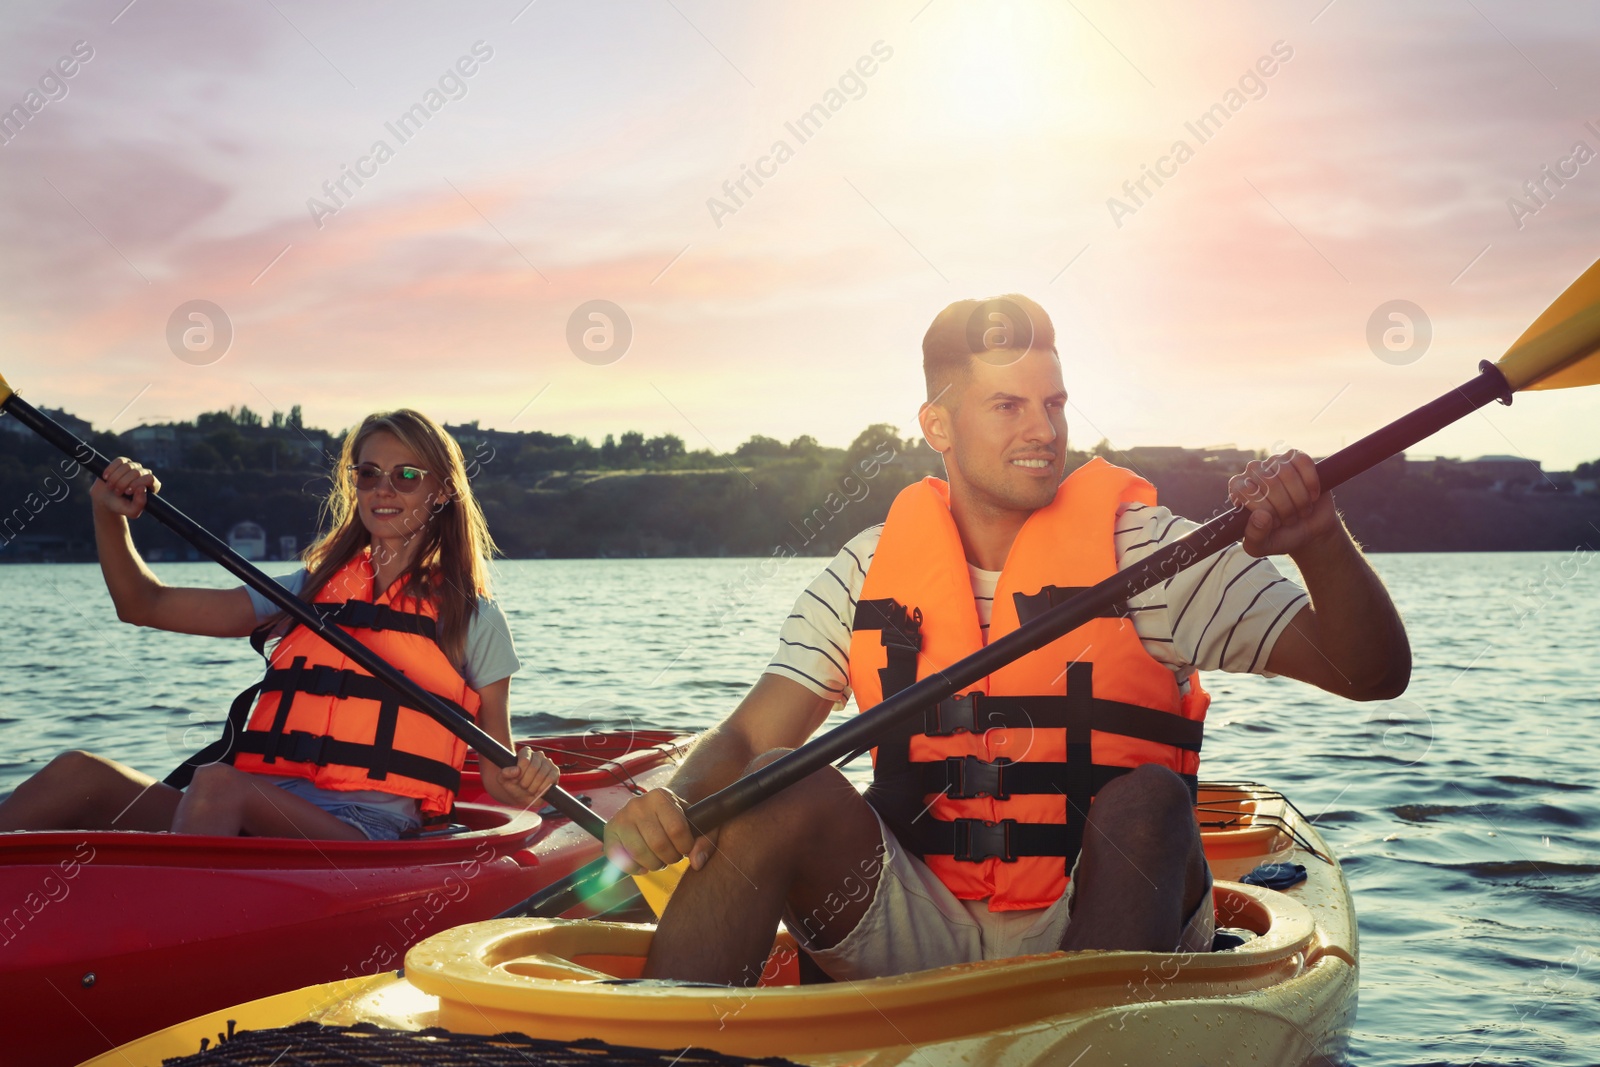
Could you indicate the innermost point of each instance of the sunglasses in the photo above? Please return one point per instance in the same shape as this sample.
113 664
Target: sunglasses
405 479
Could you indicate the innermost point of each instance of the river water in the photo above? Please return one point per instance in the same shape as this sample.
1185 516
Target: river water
1466 813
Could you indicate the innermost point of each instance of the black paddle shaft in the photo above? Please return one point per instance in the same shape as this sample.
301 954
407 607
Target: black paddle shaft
212 546
1111 594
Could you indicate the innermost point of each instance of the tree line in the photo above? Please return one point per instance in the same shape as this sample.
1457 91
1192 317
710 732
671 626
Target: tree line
556 495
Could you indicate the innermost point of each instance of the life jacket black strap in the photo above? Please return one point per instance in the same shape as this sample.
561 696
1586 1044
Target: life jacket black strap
327 681
220 750
359 615
900 630
967 777
379 759
1080 785
287 682
362 615
975 840
979 712
899 624
300 747
383 739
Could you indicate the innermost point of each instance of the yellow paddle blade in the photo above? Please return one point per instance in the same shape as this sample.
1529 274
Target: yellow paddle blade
1559 350
657 886
5 389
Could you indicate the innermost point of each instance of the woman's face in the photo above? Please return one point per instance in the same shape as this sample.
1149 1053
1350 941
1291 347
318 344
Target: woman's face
393 507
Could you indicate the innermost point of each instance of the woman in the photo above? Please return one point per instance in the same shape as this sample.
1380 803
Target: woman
328 752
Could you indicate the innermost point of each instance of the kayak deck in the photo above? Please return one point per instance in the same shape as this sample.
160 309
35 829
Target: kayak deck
1286 996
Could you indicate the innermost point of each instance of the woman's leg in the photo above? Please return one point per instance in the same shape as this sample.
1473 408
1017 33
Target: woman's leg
224 802
82 791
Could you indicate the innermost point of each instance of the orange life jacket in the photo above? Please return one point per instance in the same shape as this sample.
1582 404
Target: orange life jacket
321 717
991 787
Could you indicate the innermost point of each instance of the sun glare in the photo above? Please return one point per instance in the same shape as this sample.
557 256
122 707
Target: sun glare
1004 68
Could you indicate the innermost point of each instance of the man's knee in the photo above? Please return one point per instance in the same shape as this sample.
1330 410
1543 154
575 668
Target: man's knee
770 756
808 805
1156 791
820 788
1151 784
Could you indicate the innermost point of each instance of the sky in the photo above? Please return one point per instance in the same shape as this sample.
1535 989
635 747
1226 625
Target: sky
514 162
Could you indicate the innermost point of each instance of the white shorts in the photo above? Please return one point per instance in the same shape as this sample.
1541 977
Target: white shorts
915 923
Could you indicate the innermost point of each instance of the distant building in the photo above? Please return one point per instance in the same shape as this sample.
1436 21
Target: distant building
79 428
45 548
479 446
310 446
1157 454
249 540
1505 470
71 423
1225 456
155 446
1228 456
466 433
1485 472
286 547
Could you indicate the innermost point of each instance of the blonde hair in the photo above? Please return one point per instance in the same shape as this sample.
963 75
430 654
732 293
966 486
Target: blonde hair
451 562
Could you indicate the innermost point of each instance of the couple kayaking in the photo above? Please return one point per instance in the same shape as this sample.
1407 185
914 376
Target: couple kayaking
976 838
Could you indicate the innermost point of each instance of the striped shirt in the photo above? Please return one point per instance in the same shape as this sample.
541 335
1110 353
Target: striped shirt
1223 613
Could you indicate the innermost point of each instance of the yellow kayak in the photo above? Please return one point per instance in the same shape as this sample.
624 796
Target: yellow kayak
1285 995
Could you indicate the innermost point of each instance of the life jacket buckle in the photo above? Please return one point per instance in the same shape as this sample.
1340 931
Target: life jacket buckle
358 614
327 681
898 626
299 746
952 716
977 840
967 777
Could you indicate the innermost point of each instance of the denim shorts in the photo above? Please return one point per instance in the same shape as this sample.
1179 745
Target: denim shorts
385 820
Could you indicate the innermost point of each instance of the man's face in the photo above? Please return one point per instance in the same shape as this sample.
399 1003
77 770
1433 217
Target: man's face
1007 434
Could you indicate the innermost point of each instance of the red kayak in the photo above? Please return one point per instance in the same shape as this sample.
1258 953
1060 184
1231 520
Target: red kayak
106 935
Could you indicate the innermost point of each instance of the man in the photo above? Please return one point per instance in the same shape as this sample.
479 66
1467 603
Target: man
972 842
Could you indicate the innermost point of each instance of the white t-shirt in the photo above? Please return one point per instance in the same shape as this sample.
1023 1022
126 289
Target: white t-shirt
1223 613
491 655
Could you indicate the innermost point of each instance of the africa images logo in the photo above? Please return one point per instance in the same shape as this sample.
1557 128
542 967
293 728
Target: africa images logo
999 332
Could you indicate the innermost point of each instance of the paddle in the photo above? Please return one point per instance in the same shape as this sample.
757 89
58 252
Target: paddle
655 887
1558 351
